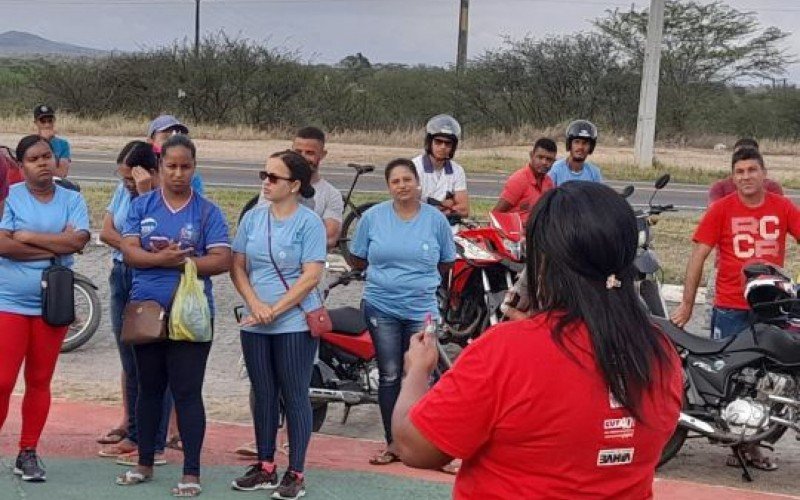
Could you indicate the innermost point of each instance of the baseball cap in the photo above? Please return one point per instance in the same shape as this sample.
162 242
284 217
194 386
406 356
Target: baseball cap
43 110
165 122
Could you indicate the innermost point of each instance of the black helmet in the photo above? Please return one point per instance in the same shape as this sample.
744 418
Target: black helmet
582 129
442 126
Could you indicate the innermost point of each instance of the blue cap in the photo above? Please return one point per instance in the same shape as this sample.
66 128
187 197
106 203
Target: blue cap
166 122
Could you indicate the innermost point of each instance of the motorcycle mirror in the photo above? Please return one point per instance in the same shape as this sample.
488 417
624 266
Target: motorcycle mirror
627 191
662 181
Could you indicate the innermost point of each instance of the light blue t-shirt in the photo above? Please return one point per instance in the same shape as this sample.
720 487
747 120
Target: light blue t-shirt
296 240
198 224
197 184
61 148
561 173
403 258
118 208
20 281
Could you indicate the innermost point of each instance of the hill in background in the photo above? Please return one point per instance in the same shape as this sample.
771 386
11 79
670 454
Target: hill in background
20 44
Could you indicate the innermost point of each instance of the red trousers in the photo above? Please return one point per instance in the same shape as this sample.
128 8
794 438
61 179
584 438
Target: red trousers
29 339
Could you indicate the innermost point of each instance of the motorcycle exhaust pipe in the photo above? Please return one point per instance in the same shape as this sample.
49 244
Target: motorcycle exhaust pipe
336 396
726 438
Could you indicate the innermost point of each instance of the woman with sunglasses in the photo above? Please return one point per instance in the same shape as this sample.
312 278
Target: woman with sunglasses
279 255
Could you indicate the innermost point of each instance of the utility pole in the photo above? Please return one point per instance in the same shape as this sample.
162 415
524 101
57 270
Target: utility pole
648 95
196 27
463 29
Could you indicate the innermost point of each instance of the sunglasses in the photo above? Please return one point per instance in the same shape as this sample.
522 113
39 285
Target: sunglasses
272 178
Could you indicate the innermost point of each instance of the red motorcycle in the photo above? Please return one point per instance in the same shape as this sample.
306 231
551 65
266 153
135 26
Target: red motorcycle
488 262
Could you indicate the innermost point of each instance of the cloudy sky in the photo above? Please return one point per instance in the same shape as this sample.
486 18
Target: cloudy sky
404 31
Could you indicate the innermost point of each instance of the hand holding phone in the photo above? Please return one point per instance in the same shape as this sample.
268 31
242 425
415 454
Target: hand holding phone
158 243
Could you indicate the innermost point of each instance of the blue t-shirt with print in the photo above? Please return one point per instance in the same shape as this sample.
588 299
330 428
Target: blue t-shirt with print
118 209
561 173
403 258
20 281
198 224
296 240
61 148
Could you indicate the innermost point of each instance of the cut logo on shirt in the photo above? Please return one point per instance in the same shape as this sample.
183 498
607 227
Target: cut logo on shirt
619 428
619 456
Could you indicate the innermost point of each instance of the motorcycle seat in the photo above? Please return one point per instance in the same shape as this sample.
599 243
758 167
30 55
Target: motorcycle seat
697 345
347 320
780 344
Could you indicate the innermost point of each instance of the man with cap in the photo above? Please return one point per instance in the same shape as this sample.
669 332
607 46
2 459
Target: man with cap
161 129
44 117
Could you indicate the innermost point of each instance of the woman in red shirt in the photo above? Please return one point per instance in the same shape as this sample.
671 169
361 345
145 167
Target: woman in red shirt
576 401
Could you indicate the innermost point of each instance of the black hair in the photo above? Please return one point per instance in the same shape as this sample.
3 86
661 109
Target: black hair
311 133
579 235
179 140
126 149
745 142
28 142
747 154
300 170
401 162
546 144
142 155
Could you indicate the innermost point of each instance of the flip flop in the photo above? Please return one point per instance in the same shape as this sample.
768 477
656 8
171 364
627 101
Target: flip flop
175 443
132 459
187 490
132 478
115 451
113 436
765 463
384 458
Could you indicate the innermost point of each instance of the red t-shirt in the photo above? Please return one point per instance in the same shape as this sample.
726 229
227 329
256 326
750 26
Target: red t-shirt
522 191
745 234
724 187
530 422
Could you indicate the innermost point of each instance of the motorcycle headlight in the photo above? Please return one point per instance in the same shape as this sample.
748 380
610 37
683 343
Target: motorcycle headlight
471 251
514 248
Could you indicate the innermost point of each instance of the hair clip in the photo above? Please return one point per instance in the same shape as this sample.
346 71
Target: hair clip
612 282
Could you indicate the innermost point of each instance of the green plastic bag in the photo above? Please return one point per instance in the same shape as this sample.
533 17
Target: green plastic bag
190 316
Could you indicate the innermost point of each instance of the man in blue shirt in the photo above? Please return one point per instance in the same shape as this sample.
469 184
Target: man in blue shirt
581 140
44 117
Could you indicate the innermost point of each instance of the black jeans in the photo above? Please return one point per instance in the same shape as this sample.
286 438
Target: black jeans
120 282
181 367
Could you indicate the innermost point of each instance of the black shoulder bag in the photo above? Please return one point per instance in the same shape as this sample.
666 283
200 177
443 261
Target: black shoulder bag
58 295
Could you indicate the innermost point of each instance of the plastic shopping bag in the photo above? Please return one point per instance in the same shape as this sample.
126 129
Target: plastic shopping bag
190 316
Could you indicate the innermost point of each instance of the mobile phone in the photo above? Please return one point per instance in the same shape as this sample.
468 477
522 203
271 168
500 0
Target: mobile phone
159 242
430 326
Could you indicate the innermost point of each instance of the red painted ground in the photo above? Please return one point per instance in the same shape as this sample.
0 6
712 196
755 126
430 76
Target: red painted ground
73 427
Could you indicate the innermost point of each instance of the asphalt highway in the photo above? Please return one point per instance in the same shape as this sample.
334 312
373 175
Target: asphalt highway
98 167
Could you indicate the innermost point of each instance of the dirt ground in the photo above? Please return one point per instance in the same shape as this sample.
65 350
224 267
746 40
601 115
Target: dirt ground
92 372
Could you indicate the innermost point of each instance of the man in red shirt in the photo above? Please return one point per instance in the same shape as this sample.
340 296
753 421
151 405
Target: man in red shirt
749 225
726 186
525 186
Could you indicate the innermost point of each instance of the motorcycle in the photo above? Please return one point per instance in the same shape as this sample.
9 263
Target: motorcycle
744 389
346 370
647 265
487 264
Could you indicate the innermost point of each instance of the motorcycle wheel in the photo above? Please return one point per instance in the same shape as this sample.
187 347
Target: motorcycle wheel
319 409
349 230
673 446
87 316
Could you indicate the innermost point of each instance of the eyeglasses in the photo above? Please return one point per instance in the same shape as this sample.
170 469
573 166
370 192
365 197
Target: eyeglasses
272 178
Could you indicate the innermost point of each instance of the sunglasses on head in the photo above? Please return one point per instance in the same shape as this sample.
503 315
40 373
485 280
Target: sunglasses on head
272 178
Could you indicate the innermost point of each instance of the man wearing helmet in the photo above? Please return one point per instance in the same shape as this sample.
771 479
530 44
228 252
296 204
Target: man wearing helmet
581 140
442 181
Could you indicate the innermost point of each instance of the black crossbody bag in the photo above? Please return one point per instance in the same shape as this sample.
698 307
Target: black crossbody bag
58 295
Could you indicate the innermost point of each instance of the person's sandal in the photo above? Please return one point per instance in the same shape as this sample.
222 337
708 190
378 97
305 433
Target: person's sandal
384 458
113 436
115 450
185 490
132 478
175 443
764 463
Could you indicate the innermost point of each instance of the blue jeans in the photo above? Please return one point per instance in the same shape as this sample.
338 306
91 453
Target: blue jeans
727 322
390 336
120 282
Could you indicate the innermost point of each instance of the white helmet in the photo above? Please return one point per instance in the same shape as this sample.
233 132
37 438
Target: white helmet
442 126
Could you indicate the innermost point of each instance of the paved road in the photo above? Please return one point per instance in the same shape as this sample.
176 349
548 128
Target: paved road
96 166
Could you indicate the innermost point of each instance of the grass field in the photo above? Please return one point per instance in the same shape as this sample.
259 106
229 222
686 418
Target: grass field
672 233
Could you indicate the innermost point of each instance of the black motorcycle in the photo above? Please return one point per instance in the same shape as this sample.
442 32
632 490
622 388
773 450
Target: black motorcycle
745 389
